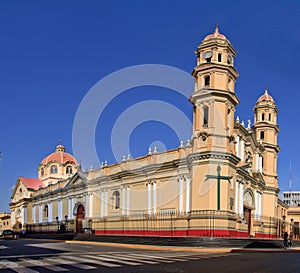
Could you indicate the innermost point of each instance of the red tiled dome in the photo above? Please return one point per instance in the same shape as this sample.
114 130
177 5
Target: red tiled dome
59 156
265 97
216 34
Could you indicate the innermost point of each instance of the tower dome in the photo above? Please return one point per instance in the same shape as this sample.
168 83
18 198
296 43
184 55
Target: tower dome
59 165
215 35
59 156
265 97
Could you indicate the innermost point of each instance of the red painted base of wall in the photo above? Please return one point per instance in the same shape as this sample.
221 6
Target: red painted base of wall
185 233
176 233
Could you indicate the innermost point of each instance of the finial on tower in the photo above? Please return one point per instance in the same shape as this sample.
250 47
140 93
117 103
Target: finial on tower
217 28
266 89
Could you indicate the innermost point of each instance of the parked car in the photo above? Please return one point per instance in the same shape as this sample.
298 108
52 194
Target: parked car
8 234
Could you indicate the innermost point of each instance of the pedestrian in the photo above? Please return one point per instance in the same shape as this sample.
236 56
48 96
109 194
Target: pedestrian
290 241
285 239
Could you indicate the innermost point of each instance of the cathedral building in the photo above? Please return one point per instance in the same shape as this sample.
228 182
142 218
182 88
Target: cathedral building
222 182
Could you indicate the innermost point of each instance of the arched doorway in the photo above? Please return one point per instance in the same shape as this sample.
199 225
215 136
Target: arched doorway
80 214
248 208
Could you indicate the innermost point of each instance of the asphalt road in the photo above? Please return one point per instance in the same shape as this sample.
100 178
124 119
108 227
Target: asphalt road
31 256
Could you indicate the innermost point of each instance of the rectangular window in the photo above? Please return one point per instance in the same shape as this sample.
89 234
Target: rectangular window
219 57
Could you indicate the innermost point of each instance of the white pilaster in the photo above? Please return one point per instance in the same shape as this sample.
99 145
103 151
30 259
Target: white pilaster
33 214
91 201
242 155
69 208
127 201
72 207
50 212
256 204
180 194
260 204
105 203
241 199
257 162
149 197
187 194
237 188
24 215
87 207
40 214
237 146
123 199
154 197
260 163
101 204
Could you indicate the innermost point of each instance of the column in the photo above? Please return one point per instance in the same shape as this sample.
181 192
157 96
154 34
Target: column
180 181
260 163
256 205
241 199
60 210
86 199
237 188
33 214
257 162
73 201
106 204
127 201
154 197
69 208
50 212
187 194
237 146
101 204
149 197
91 199
123 199
242 155
40 214
260 204
24 215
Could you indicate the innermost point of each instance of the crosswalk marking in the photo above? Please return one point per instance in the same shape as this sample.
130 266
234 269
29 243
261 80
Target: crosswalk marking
16 267
96 259
44 264
138 259
3 247
86 260
73 263
105 258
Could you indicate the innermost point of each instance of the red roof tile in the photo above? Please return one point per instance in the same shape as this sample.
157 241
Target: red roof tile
32 183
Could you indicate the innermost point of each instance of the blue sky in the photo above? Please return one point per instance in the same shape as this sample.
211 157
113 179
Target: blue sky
53 52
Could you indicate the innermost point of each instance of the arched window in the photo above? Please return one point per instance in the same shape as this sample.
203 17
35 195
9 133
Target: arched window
219 57
116 199
262 116
42 171
18 213
270 117
69 170
262 135
53 169
46 210
205 116
207 81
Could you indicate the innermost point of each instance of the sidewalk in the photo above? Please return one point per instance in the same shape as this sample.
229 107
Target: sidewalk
189 249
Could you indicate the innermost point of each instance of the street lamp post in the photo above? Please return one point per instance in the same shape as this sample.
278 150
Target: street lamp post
57 223
66 222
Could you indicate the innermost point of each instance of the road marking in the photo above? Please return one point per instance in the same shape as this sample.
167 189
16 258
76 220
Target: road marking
85 260
16 267
164 259
3 247
105 258
72 263
44 264
137 259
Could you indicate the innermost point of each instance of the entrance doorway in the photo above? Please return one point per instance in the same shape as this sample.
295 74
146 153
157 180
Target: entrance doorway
79 217
247 215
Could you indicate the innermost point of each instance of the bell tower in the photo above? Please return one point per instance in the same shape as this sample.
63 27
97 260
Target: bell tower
214 97
266 131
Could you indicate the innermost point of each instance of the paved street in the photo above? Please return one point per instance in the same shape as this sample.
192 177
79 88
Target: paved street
31 256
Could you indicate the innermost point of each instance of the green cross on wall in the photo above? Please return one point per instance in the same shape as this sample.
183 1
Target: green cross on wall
218 177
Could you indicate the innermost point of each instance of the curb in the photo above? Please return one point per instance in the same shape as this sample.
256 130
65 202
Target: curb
152 247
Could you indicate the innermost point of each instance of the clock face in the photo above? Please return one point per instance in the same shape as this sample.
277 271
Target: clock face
229 58
207 54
